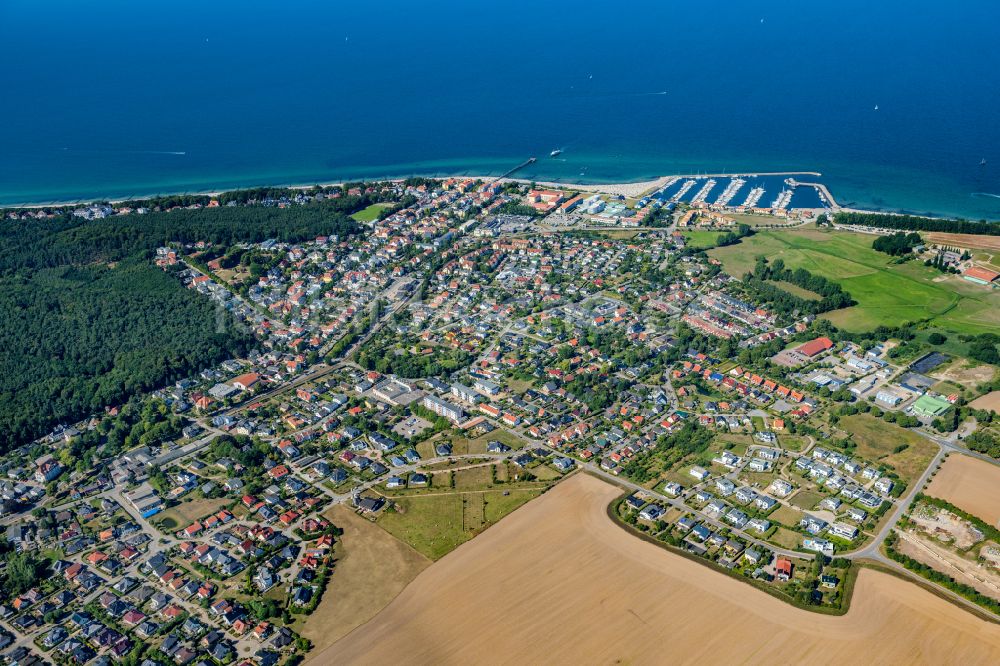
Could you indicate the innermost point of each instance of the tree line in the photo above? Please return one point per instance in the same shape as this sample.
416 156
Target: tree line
833 297
68 240
80 338
916 223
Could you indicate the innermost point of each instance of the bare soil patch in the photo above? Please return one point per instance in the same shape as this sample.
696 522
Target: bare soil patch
959 372
559 582
970 484
946 526
968 571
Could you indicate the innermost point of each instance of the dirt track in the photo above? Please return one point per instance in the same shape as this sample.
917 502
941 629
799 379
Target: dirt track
557 582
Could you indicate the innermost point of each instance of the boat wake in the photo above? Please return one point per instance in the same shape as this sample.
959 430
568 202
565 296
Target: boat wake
125 152
986 194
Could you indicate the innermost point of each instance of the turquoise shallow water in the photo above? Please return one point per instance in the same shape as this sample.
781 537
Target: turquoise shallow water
116 98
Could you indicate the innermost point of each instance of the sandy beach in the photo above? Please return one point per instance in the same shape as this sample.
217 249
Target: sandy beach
558 582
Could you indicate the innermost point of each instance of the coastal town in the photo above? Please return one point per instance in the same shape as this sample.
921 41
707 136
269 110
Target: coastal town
477 343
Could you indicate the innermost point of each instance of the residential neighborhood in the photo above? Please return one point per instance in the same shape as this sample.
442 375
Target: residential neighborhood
480 341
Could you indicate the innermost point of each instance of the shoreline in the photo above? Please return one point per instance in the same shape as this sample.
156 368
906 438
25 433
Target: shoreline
630 189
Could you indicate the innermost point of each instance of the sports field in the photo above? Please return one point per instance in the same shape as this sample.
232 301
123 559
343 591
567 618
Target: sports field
886 293
607 597
370 213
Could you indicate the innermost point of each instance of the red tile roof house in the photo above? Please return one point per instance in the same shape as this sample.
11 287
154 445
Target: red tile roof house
816 346
278 472
247 381
133 617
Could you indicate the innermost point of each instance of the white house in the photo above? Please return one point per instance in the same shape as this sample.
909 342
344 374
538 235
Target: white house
699 473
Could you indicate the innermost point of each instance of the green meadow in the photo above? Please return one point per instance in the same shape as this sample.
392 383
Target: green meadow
887 294
702 239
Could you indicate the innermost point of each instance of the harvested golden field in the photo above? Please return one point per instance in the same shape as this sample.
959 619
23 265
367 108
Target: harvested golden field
559 582
372 567
968 241
990 401
970 484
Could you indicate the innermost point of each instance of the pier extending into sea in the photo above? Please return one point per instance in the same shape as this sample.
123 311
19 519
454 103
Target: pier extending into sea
821 188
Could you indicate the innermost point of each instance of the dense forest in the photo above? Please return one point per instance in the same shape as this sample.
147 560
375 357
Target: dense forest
88 321
914 223
65 239
897 244
79 338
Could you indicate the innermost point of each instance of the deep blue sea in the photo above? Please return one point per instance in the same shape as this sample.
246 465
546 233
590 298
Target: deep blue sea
124 97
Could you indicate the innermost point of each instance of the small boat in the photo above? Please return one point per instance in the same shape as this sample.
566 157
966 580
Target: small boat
982 162
876 107
556 153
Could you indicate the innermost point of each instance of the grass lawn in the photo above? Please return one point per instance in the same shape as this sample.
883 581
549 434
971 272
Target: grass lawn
681 475
431 524
785 538
474 478
185 513
702 239
805 499
792 442
796 290
434 525
371 213
759 220
761 479
518 386
889 294
463 445
735 441
876 440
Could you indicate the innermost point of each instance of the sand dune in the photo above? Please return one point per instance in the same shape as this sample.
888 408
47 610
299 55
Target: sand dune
557 582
